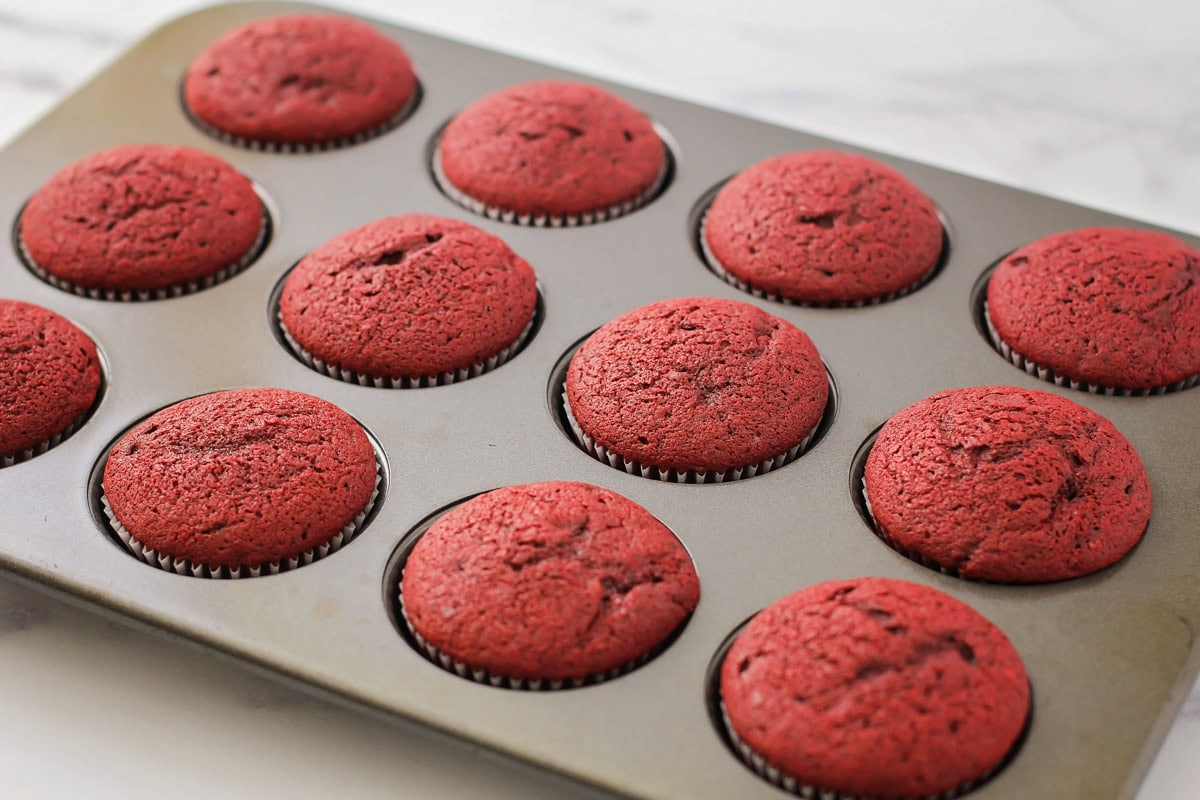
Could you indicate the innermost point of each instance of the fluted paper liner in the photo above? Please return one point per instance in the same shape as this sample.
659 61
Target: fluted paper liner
142 295
1050 376
184 567
420 382
549 220
714 264
618 461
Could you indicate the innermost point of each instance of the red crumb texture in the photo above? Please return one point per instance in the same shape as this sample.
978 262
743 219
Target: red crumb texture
824 227
697 383
548 581
1106 306
302 79
142 217
877 688
240 478
409 296
51 375
1009 485
554 147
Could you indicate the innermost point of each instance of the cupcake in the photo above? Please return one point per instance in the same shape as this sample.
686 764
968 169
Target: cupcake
240 483
696 390
300 82
142 222
996 483
873 688
1103 309
822 228
550 153
51 380
546 586
407 301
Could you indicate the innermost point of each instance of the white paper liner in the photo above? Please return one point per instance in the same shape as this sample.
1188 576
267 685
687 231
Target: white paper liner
547 220
141 295
777 777
1050 376
300 148
617 461
715 266
421 382
464 670
54 441
184 567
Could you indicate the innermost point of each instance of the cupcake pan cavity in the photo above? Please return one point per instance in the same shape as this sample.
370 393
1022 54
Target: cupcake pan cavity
142 295
41 447
858 495
589 445
300 148
1110 655
987 330
710 260
395 609
20 457
773 775
182 566
419 382
549 220
1050 376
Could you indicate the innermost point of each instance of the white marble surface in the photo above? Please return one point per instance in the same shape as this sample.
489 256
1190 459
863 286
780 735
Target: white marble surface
1094 102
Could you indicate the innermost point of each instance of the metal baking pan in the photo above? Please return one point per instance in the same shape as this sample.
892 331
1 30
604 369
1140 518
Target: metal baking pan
1110 656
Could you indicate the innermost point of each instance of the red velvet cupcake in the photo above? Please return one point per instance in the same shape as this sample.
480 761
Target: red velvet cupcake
51 380
822 228
551 153
240 483
142 222
1108 310
300 82
546 586
874 688
407 301
1010 485
696 390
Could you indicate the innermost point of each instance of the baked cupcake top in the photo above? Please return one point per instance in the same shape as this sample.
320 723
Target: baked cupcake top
823 227
51 376
240 478
300 79
1004 484
876 688
548 581
1105 306
552 149
142 218
409 296
697 384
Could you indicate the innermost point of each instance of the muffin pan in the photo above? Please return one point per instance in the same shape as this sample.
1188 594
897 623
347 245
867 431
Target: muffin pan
1111 655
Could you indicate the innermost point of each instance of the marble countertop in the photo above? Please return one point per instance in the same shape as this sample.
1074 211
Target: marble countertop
1092 102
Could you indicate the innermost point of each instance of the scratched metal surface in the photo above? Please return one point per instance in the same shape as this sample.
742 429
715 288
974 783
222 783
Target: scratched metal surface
1110 655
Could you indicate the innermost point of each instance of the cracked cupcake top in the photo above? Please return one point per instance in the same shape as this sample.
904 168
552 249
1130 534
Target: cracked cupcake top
1107 306
142 217
697 383
823 227
875 687
300 79
1003 484
551 148
240 478
549 581
409 296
